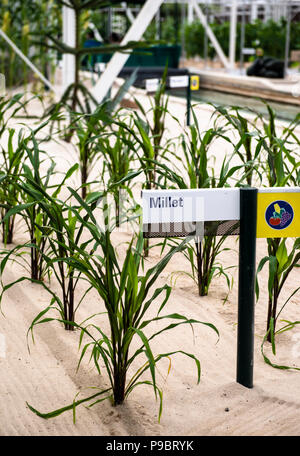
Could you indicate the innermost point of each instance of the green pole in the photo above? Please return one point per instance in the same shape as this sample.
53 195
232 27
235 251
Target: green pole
188 102
246 290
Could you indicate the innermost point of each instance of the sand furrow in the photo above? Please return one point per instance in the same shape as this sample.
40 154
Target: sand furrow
47 377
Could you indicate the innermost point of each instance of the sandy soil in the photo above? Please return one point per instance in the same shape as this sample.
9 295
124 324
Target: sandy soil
46 376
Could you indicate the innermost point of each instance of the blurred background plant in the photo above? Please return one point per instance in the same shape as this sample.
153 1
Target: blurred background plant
23 21
12 158
268 35
194 168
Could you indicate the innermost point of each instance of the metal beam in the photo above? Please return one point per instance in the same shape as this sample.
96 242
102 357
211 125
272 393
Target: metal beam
211 34
118 60
26 60
97 34
128 12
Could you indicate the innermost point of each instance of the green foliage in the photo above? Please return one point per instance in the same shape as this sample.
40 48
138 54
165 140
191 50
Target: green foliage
89 129
147 137
248 147
195 169
9 194
29 210
169 27
270 36
194 39
12 159
149 134
269 154
127 293
68 243
117 148
66 237
51 221
23 21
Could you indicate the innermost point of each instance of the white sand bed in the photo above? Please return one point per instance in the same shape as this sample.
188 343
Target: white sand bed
46 376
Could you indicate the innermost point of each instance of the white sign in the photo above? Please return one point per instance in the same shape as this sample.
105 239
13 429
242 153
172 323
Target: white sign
249 51
195 205
152 85
169 206
179 81
100 66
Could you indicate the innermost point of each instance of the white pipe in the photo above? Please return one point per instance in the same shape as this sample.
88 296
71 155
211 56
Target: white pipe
119 59
232 41
26 60
68 60
128 12
211 34
254 12
190 17
97 34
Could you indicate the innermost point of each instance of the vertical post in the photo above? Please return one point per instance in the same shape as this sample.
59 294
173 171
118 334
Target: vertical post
287 39
158 25
254 12
109 23
232 41
183 20
205 39
246 291
188 102
190 17
69 38
129 14
242 39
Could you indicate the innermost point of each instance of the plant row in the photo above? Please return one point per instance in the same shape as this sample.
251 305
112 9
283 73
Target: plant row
70 228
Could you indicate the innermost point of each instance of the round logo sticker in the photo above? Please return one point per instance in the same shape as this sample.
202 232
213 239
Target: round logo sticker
279 215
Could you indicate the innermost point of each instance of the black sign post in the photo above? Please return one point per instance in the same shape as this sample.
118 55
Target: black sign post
246 212
190 82
188 103
243 224
246 290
